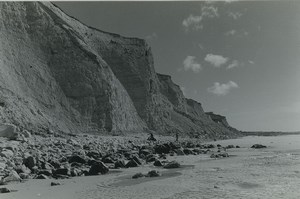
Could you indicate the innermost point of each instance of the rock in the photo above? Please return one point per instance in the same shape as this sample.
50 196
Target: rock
120 164
76 158
13 176
55 183
258 146
219 155
145 152
187 151
138 175
29 162
136 159
41 176
163 148
179 152
230 146
62 171
4 190
132 163
108 160
237 146
158 163
24 175
98 167
26 134
8 131
150 158
172 165
153 173
94 154
45 172
7 153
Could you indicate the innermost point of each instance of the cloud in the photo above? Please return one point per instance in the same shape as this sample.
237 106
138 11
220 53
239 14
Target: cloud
209 11
216 60
190 63
237 33
222 89
251 62
201 46
152 36
234 64
194 22
235 15
230 32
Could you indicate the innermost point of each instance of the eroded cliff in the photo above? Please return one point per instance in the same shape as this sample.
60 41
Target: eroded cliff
57 73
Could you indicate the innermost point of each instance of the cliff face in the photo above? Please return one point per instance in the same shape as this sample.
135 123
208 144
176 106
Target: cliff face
60 74
51 78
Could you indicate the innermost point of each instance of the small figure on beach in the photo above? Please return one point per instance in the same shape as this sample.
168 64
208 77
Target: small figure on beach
176 135
151 137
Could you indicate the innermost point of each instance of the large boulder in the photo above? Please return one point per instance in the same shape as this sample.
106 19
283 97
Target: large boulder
258 146
97 168
172 165
8 131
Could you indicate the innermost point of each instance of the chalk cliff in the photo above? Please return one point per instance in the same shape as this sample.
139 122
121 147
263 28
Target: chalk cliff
58 73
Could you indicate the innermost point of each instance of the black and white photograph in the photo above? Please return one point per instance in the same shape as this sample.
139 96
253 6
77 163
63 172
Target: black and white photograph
150 99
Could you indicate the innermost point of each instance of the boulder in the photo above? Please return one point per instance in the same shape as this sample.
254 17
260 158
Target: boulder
158 163
132 163
119 164
98 167
6 153
4 190
153 173
162 148
172 165
258 146
13 176
62 171
29 162
55 183
138 175
8 131
78 159
41 176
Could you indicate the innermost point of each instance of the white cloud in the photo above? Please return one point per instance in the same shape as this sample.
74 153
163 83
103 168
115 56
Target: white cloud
190 63
222 89
152 36
237 33
234 64
230 33
251 62
194 22
201 46
235 15
216 60
209 11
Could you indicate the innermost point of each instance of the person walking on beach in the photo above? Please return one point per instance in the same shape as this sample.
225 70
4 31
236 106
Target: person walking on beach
176 135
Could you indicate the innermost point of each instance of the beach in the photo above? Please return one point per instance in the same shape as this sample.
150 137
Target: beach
272 172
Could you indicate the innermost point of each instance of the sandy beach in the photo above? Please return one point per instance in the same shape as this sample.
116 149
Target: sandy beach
273 172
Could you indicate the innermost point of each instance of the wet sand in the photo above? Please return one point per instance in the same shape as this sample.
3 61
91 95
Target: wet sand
273 172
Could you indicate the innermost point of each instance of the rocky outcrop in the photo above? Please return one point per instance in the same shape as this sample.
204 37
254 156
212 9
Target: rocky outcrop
218 118
59 74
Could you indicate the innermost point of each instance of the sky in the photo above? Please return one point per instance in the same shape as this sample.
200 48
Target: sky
239 59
